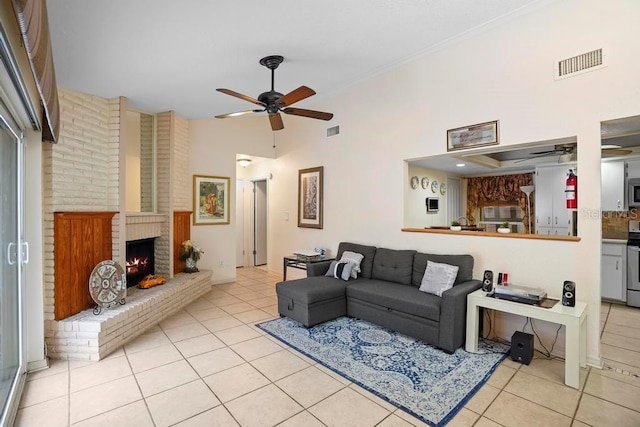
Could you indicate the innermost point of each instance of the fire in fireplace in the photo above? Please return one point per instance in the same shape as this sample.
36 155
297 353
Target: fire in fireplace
140 260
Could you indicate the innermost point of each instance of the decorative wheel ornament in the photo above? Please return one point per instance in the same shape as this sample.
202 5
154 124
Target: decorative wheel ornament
443 188
107 285
434 186
424 182
414 182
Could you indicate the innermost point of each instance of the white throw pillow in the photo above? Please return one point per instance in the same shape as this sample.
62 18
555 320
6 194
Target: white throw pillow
354 258
438 278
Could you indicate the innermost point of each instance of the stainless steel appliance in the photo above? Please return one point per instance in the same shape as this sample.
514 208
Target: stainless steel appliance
633 192
633 264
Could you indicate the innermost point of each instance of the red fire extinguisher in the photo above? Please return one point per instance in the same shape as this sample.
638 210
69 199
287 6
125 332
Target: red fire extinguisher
572 190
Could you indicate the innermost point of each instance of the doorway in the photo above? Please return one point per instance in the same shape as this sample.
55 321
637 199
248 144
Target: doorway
259 221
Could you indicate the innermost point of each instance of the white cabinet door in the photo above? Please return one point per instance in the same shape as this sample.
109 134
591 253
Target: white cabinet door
612 177
548 231
544 197
613 282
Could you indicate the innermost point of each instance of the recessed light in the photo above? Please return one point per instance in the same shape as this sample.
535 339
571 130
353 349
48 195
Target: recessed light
460 165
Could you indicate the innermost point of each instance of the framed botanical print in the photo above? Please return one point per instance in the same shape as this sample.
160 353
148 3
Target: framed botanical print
210 200
310 197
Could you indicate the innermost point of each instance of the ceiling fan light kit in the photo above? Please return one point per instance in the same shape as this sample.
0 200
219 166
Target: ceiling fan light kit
275 102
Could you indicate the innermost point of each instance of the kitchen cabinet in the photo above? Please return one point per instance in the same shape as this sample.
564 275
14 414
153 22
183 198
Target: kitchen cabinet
613 191
614 271
552 215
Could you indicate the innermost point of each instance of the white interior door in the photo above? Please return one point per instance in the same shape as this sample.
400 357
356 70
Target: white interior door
239 223
260 222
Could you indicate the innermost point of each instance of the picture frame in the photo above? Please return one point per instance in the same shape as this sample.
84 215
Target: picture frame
211 202
310 193
473 136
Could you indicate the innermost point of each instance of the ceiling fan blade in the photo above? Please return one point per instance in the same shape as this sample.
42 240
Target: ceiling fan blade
276 121
237 113
308 113
616 152
540 154
548 152
241 96
295 95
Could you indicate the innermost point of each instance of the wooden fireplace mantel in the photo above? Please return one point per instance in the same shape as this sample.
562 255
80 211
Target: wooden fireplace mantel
81 240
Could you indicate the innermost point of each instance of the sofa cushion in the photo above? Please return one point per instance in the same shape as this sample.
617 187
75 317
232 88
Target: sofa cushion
312 289
464 262
397 297
393 265
438 278
368 251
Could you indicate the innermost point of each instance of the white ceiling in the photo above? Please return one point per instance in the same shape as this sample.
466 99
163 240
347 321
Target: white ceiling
172 55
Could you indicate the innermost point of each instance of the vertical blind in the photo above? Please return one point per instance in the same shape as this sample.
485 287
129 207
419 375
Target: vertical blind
34 25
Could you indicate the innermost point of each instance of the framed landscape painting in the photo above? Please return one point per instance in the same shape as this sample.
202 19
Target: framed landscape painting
310 197
210 200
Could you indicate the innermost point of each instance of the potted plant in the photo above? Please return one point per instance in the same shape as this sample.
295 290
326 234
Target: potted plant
455 226
504 227
190 254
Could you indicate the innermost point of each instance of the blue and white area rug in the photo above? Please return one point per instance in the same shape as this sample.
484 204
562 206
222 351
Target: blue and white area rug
422 380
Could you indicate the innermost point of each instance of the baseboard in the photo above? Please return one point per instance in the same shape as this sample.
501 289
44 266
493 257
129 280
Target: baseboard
595 361
37 365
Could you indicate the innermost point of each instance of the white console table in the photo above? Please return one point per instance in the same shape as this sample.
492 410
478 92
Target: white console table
573 319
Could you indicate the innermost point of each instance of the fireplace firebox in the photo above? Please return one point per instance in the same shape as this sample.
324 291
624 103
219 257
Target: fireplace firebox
140 260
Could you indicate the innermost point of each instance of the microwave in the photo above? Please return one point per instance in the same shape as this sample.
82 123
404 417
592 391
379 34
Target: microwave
633 193
433 204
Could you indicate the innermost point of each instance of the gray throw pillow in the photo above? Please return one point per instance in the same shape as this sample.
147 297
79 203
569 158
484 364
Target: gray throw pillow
438 278
340 269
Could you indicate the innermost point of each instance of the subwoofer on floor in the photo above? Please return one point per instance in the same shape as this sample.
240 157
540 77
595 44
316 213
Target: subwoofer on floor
522 347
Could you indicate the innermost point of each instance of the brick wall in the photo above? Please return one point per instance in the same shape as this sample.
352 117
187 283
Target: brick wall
182 181
164 140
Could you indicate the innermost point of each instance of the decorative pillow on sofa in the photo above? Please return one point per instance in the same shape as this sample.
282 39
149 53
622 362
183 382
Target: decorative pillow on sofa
340 269
438 278
354 258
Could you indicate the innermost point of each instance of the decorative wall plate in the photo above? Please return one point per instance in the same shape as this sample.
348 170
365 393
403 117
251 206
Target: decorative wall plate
443 188
414 182
424 182
108 284
434 186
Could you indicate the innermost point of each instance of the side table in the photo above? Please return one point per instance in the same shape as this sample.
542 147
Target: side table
574 320
294 261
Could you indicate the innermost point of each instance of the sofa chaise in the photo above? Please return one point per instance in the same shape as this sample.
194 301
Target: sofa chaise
386 292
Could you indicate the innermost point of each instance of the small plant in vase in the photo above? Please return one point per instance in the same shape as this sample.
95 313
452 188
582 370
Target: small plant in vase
190 254
455 226
504 227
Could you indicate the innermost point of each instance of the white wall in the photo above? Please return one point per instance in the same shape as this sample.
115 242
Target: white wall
415 210
214 145
505 73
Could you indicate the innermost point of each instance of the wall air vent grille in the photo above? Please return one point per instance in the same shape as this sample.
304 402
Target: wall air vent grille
580 64
335 130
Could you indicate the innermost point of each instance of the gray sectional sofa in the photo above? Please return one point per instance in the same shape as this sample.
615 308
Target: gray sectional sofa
386 293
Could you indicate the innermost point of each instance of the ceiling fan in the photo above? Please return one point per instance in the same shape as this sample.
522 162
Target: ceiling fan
274 102
567 152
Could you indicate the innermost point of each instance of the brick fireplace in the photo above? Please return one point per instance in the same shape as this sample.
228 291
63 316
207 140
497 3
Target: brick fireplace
85 174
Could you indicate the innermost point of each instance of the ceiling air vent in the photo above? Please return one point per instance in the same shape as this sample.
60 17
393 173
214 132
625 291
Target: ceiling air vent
335 130
579 64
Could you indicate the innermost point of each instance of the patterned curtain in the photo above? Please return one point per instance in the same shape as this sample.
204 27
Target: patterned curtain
492 190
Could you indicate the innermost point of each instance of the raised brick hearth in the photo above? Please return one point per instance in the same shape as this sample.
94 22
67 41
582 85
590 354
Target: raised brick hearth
86 336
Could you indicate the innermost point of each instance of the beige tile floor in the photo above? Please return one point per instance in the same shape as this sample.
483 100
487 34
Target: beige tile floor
207 365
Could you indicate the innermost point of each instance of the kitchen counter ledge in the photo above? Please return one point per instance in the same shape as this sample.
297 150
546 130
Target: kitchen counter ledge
494 234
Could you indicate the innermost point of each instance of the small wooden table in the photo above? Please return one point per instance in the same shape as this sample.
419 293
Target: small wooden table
300 263
574 320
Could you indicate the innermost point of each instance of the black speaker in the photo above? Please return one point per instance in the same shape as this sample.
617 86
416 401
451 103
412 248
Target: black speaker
487 281
522 347
569 293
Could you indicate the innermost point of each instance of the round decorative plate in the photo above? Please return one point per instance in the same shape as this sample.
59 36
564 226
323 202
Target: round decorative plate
414 182
107 283
434 186
443 188
424 182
